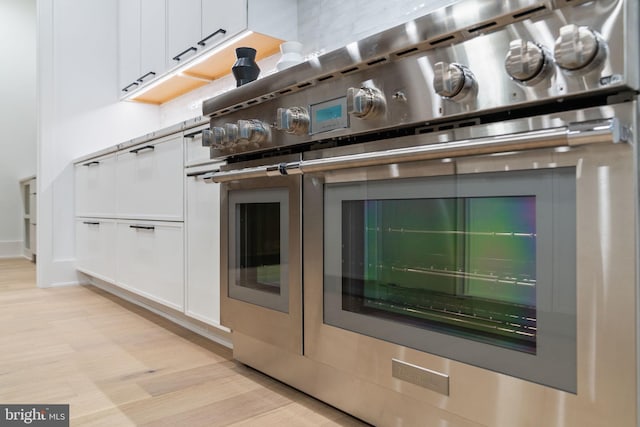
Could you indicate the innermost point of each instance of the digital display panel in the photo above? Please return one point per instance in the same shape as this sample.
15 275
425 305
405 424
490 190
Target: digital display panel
329 115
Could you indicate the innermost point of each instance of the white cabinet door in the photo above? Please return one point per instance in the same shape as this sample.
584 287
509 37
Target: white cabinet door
203 250
95 187
150 180
225 15
96 248
183 29
128 44
195 153
152 39
150 261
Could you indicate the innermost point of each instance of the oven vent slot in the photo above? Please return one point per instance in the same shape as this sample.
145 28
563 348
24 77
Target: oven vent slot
530 12
442 40
407 51
322 79
253 101
303 85
377 61
349 70
238 107
282 92
482 27
446 126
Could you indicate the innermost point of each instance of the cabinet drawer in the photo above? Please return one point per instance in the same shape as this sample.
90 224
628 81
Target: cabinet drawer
150 261
195 153
149 180
96 248
203 249
95 187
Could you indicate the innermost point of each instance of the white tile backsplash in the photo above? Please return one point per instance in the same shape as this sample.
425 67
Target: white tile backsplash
323 25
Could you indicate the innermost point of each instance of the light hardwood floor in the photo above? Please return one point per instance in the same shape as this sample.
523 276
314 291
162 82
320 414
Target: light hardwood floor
119 365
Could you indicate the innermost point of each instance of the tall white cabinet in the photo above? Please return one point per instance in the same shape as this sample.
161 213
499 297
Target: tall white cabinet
203 245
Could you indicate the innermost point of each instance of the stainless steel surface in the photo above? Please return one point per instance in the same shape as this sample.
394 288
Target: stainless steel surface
468 90
420 376
420 148
338 365
579 49
607 202
280 328
365 102
401 64
293 120
453 81
527 62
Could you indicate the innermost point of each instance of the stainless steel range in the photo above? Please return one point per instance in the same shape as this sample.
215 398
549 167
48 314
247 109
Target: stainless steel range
438 225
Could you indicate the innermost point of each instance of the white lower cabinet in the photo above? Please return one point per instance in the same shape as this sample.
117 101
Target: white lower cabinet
150 260
149 180
203 248
195 152
96 247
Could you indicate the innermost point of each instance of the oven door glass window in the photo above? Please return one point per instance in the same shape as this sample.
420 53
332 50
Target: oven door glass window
258 250
475 259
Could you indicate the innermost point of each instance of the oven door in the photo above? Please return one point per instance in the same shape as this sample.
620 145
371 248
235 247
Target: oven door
261 295
439 273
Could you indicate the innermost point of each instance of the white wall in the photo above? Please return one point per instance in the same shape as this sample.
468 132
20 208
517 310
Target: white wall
17 116
79 113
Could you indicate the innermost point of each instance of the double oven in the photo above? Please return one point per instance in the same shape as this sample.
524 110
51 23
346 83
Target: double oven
438 225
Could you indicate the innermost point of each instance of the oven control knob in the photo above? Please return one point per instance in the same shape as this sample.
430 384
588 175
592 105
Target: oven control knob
293 120
453 81
579 49
207 138
254 131
365 102
230 134
213 138
527 63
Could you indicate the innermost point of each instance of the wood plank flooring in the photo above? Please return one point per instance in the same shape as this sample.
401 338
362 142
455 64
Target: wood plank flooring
119 365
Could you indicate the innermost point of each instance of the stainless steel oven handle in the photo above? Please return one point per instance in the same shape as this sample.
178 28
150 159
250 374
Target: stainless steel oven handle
598 131
601 131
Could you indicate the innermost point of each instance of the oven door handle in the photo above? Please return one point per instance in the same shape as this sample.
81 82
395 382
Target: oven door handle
599 131
590 132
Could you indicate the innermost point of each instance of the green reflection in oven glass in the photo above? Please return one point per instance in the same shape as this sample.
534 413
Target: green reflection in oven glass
461 265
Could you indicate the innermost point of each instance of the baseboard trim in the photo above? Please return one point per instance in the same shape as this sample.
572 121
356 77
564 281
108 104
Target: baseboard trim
63 284
11 249
211 332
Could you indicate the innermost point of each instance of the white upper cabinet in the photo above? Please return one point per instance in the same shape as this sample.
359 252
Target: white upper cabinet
193 31
142 47
152 38
183 29
128 44
222 19
194 25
